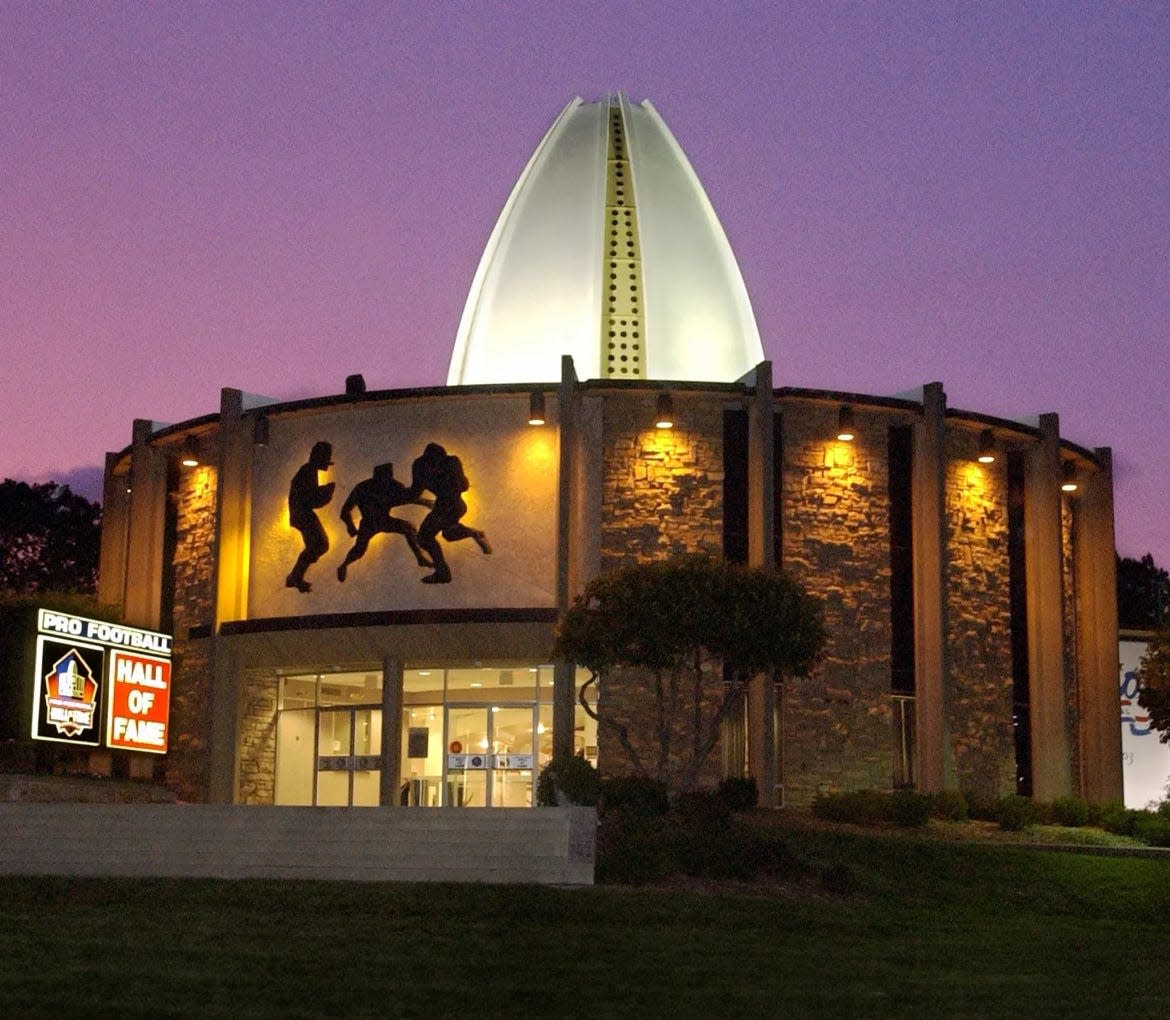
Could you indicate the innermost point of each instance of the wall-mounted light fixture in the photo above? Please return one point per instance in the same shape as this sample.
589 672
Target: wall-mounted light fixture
986 447
845 431
130 481
1068 477
355 385
190 455
260 430
664 413
536 408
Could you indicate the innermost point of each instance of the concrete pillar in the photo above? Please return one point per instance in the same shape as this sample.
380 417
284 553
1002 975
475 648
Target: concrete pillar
763 739
223 763
935 763
234 508
391 733
146 530
115 532
568 549
1095 568
1043 557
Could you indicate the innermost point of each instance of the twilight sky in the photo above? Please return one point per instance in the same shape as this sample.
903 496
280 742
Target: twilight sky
272 196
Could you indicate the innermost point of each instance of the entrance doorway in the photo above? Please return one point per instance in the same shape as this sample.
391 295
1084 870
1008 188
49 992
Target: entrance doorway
490 755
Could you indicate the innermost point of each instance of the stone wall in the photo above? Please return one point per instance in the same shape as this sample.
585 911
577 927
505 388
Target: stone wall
978 618
187 757
1072 708
256 749
837 726
662 495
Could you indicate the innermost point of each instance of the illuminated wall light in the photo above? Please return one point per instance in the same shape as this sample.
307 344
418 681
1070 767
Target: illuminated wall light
536 408
845 431
986 447
190 455
260 431
664 414
1068 476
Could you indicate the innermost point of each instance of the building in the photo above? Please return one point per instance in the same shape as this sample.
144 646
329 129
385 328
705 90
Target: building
969 598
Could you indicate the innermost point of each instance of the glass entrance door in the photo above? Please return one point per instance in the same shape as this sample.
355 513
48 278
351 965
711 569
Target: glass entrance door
490 755
349 762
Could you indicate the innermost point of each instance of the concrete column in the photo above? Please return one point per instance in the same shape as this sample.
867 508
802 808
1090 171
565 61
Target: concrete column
564 708
1095 568
1043 556
115 532
223 763
763 740
568 549
146 531
234 508
935 764
391 733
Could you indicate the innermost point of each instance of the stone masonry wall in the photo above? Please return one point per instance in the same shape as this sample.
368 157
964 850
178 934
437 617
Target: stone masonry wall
662 495
978 618
256 749
1072 708
837 726
187 760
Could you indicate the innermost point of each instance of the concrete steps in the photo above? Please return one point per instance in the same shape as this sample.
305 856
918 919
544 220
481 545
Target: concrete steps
543 845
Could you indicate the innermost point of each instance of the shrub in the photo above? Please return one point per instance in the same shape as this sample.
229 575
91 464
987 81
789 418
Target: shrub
839 879
1152 828
577 781
860 807
702 810
950 805
980 806
1014 813
631 850
634 795
1071 812
1115 817
739 793
909 809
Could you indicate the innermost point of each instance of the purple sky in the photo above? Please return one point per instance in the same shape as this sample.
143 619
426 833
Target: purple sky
272 196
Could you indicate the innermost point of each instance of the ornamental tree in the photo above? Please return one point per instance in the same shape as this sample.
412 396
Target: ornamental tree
691 632
1154 679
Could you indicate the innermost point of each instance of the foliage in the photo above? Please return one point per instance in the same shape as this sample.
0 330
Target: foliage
1071 812
49 538
1154 680
1143 593
950 805
739 793
575 779
634 795
691 622
903 808
1015 813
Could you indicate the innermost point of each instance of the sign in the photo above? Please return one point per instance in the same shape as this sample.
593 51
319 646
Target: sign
467 762
513 761
1145 760
349 763
92 673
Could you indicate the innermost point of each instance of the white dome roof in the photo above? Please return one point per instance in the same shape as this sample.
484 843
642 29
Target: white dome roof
607 250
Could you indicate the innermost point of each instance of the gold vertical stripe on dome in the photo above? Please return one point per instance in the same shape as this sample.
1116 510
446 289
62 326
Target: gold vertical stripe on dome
623 338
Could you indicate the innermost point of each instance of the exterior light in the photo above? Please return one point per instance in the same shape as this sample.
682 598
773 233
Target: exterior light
536 408
260 431
845 431
1068 476
986 447
130 480
664 415
355 385
190 455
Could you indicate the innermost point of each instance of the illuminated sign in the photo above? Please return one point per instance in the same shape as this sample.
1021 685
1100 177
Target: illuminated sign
90 672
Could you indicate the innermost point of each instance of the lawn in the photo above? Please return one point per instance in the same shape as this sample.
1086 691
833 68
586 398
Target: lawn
932 928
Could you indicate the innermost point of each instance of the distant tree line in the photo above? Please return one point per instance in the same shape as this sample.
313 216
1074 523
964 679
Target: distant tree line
50 538
1143 594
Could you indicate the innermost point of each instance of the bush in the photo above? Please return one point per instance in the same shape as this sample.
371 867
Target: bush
910 810
577 781
981 806
839 879
950 805
634 795
1014 813
1152 828
860 807
739 793
1115 817
1071 812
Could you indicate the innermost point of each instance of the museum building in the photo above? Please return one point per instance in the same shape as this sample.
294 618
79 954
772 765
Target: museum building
363 588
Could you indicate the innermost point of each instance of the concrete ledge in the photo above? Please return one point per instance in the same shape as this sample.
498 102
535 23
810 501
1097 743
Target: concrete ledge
545 845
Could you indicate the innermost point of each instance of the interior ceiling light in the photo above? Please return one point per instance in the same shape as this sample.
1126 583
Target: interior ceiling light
845 431
986 447
1068 474
536 408
664 414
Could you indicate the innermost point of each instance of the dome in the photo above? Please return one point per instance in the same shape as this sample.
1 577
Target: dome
607 250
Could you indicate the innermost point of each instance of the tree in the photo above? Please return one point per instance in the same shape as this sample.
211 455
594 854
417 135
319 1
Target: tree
1143 593
1154 683
49 538
695 630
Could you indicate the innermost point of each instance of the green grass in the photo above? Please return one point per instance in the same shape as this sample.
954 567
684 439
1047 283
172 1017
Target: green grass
934 929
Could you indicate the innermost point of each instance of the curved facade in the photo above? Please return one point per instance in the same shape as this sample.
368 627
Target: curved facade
364 588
